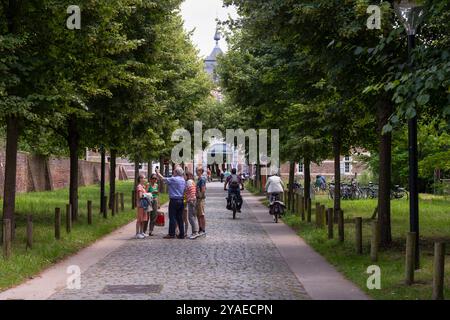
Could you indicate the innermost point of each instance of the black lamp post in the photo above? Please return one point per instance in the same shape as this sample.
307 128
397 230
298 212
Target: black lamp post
410 13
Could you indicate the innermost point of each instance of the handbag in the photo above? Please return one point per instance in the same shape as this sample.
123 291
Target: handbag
160 219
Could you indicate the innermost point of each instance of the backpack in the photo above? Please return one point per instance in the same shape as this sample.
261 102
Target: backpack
234 181
144 203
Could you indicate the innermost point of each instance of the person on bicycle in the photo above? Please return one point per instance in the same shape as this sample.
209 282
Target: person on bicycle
321 182
235 185
274 186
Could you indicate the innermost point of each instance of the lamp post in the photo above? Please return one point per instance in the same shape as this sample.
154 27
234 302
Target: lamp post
410 13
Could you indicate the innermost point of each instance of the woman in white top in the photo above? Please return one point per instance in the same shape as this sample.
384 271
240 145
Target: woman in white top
274 185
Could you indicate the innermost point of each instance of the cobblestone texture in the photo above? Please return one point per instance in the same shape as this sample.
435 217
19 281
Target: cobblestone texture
236 260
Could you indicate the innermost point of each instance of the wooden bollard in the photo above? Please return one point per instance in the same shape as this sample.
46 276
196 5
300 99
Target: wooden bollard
438 272
308 210
375 240
317 213
7 238
341 225
29 232
289 201
133 199
322 216
117 202
89 212
330 223
410 258
68 218
358 235
122 202
57 223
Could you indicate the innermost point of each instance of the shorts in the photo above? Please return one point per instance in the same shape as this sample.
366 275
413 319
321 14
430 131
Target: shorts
200 207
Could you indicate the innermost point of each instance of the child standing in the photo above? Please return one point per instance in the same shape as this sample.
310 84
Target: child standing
142 216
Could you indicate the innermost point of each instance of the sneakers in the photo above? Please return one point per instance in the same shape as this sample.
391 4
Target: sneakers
194 236
169 237
202 233
140 236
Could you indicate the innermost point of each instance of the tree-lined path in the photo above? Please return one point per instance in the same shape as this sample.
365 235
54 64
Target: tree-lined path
247 258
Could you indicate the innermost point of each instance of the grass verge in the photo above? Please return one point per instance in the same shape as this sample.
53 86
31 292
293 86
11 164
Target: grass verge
24 264
434 226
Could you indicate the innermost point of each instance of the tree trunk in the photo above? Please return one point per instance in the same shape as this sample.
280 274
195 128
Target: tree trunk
337 145
73 141
149 169
291 184
161 171
112 177
9 192
307 173
12 13
102 179
384 111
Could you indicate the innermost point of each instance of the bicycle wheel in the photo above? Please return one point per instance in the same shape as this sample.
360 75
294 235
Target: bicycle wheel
276 217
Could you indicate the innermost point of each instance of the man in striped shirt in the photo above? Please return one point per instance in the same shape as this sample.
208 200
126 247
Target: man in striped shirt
191 199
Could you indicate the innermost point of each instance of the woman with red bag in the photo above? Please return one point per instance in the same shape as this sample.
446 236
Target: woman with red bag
153 188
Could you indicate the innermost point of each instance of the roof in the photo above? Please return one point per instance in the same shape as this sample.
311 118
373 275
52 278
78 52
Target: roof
213 56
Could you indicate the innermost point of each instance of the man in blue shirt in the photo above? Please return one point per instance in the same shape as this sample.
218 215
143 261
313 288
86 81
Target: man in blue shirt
176 186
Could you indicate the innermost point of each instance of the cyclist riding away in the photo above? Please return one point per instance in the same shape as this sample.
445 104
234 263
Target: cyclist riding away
274 186
235 185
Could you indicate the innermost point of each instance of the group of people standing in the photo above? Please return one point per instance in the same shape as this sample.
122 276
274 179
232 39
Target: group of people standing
186 204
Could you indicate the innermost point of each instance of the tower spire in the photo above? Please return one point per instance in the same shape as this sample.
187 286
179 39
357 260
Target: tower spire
217 37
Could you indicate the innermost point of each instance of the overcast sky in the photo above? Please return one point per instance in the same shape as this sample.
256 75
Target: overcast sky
201 15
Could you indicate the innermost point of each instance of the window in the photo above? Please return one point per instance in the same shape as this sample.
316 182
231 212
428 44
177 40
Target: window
300 167
347 164
347 167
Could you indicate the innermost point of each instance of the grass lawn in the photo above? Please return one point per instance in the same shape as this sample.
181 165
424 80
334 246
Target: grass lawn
24 264
434 226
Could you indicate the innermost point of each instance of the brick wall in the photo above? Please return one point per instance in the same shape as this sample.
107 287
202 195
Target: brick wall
37 173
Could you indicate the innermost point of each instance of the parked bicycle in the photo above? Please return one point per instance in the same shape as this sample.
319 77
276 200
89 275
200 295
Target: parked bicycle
353 191
398 192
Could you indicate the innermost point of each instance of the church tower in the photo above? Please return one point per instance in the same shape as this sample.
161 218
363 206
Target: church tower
211 60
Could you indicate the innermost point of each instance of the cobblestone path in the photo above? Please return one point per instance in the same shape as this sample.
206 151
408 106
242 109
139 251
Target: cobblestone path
236 260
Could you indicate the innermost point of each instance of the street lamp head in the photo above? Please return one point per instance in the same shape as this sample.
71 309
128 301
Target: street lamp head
410 13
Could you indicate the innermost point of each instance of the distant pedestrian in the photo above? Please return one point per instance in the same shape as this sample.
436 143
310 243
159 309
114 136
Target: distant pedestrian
142 216
221 174
176 186
201 196
208 174
226 174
